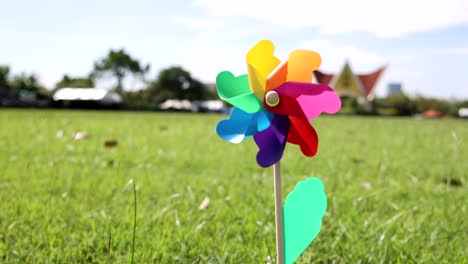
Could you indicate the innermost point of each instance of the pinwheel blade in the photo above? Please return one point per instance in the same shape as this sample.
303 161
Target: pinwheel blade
301 64
242 125
302 133
305 100
271 141
302 217
236 91
277 77
260 62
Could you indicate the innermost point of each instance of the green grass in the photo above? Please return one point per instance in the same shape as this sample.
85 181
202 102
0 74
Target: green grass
71 201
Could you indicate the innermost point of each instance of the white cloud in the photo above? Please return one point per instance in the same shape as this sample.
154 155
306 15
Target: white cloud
384 18
208 61
199 22
334 55
460 51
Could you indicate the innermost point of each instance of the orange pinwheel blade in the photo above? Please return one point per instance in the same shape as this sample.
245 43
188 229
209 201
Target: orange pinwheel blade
277 77
301 64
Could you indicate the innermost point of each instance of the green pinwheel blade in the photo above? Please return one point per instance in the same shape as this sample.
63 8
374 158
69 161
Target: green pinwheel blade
236 91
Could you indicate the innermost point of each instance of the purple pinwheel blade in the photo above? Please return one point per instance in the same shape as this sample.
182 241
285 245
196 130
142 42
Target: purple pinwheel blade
271 142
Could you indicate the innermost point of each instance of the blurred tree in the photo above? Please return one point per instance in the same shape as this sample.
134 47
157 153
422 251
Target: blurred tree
427 103
25 82
349 104
177 83
462 104
79 82
400 102
211 92
119 64
4 76
139 100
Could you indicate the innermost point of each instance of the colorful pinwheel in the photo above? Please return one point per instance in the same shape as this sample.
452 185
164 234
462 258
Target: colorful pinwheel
275 102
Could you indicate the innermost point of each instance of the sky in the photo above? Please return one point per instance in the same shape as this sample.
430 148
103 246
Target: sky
423 43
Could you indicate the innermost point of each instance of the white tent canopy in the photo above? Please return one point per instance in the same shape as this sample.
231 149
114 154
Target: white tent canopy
195 106
87 94
176 104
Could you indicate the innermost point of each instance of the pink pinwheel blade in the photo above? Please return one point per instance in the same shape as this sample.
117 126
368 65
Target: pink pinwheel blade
305 100
271 142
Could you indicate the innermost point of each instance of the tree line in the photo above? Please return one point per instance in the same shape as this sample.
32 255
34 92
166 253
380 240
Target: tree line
400 104
177 83
118 65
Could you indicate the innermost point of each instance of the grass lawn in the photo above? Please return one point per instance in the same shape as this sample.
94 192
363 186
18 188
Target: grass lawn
72 201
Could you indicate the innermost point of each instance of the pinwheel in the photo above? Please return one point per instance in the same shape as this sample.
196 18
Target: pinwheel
273 103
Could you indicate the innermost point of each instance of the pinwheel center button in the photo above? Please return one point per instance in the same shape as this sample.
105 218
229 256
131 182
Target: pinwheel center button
272 98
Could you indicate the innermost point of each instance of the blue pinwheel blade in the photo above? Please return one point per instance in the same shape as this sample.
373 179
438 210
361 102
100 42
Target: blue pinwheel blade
242 125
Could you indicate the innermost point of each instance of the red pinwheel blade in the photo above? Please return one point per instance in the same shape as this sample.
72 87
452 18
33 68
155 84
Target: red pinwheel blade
305 100
302 133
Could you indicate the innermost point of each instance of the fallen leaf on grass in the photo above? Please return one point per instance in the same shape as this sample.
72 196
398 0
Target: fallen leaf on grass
367 185
59 134
80 135
110 143
205 203
4 185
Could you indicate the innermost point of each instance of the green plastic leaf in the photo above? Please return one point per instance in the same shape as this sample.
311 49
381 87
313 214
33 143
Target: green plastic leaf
236 91
302 217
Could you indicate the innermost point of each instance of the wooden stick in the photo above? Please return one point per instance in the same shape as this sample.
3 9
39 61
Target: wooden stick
278 214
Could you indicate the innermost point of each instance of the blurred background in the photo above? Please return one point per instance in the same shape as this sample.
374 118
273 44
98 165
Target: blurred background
387 58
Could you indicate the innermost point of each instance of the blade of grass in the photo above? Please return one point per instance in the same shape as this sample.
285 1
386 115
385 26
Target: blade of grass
134 219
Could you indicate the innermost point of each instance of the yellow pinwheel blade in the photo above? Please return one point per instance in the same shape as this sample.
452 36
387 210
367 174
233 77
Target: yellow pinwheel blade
260 62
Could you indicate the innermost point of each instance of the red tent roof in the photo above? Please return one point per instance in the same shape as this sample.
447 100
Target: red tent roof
323 77
368 81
